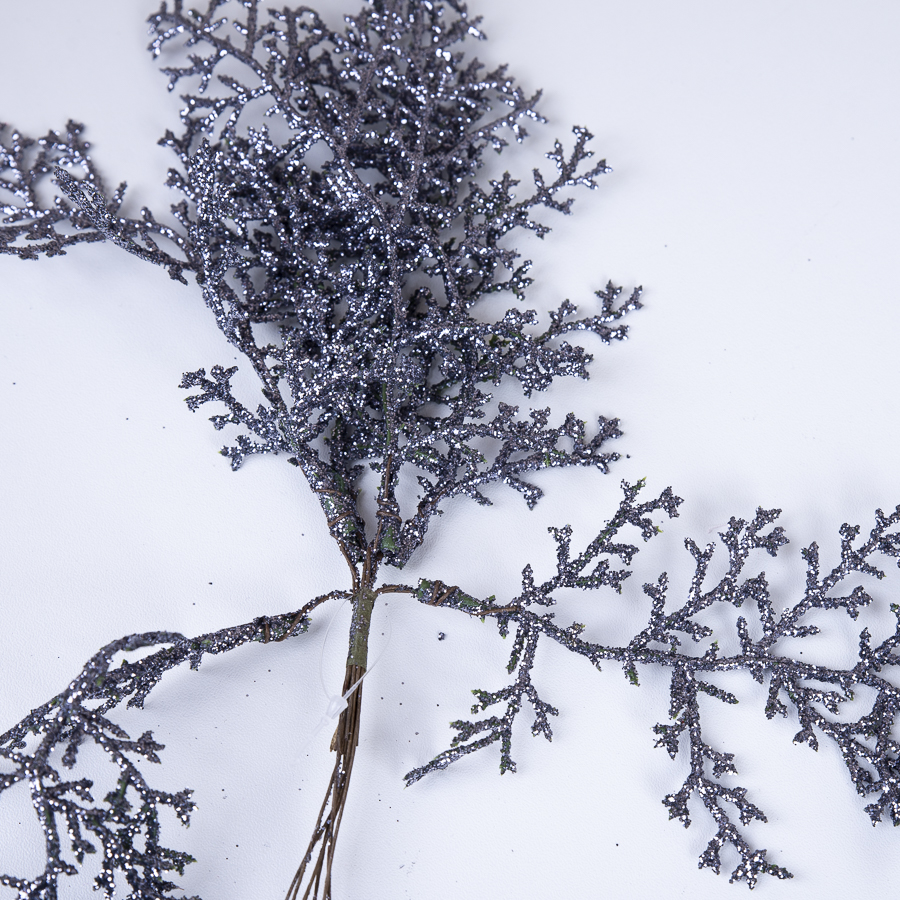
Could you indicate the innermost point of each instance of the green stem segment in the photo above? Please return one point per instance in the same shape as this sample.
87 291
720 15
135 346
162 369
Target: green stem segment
363 604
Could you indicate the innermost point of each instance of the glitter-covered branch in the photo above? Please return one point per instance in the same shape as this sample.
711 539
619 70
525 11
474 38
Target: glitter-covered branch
868 748
335 214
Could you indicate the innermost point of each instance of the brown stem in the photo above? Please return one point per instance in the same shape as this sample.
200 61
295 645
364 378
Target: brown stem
315 869
324 836
396 589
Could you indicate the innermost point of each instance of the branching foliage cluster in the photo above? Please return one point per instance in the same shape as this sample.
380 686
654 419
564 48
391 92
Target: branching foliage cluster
334 213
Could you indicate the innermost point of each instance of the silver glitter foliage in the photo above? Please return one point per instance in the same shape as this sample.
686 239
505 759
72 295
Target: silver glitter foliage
345 259
813 693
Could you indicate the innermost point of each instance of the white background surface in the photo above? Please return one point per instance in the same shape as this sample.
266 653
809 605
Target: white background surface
755 196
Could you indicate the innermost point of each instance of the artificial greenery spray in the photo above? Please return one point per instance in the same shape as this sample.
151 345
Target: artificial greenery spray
346 260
